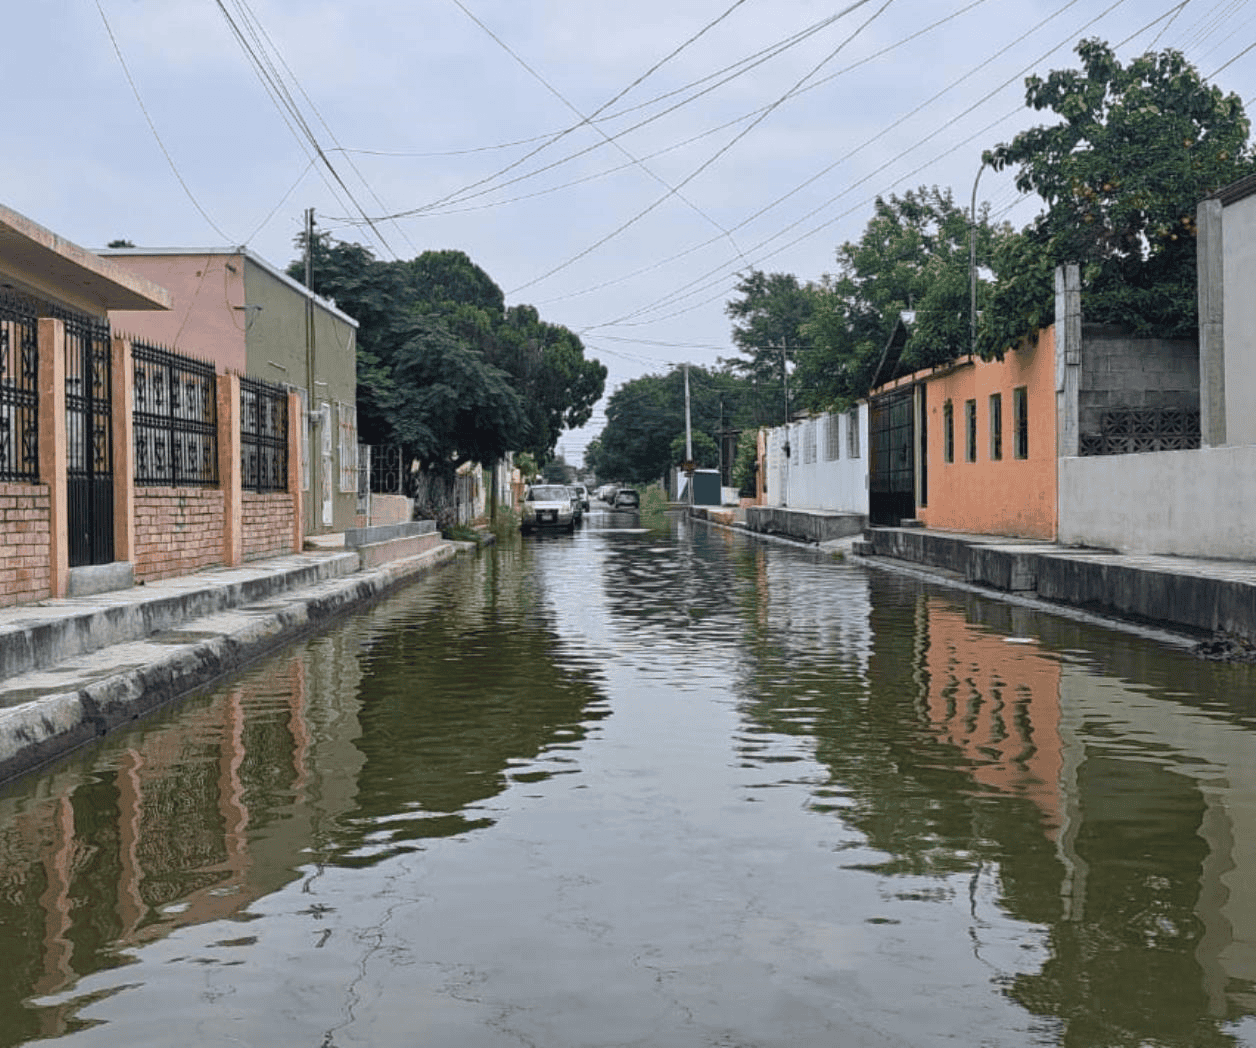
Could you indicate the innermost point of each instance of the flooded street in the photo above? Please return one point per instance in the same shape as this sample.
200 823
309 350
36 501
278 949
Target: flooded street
655 787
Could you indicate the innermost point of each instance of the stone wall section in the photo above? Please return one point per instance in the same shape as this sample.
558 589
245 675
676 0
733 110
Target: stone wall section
267 524
178 531
25 571
1122 372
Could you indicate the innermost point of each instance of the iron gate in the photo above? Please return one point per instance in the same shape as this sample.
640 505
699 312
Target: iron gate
89 440
892 473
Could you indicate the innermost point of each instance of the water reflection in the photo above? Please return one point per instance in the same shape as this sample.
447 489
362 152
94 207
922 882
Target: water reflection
342 751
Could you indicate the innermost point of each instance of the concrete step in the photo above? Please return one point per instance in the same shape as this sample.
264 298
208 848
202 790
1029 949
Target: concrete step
42 635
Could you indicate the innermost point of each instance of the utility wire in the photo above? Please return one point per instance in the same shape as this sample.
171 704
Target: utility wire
153 128
702 167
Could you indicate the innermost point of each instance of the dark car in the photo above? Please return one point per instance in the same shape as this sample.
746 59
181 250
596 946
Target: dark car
626 498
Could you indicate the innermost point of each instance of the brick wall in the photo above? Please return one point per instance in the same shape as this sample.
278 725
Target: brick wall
25 574
267 524
177 531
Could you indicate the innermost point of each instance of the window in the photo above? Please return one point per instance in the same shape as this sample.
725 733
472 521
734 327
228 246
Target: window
1020 419
852 433
948 432
832 438
996 426
347 418
809 442
970 430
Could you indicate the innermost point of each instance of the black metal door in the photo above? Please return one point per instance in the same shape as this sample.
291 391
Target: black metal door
892 474
89 441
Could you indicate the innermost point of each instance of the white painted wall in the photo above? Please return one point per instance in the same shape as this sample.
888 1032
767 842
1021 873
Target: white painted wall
1238 246
810 478
1189 503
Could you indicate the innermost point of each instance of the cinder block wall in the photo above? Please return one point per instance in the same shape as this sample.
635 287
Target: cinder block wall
25 572
177 531
1120 371
267 524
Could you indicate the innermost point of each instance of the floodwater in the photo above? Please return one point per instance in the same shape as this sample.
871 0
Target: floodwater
659 787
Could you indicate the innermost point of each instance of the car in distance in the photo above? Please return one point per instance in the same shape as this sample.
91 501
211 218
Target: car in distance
626 498
546 506
577 505
583 492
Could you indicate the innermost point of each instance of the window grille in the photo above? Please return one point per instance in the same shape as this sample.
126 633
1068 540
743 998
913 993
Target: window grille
948 432
970 427
996 426
832 438
263 435
19 390
347 418
809 442
1020 420
175 418
852 433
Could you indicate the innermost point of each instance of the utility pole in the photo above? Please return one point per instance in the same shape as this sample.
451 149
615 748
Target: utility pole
688 441
309 364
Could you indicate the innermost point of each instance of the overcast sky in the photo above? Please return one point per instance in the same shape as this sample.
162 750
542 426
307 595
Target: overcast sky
614 164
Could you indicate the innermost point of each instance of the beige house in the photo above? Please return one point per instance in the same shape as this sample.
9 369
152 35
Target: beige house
233 308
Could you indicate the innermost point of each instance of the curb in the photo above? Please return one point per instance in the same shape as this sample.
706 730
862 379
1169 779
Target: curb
52 726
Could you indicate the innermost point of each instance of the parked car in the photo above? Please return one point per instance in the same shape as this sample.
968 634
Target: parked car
546 506
583 492
626 498
577 504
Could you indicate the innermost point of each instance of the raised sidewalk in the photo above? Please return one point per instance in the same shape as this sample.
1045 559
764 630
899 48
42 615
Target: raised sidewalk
1193 595
75 668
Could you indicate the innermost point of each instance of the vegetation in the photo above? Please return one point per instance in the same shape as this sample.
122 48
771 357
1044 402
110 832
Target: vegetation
445 368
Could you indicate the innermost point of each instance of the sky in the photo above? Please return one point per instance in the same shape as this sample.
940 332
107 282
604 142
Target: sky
617 165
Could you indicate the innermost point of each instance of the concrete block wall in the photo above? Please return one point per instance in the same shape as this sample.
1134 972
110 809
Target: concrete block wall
177 531
267 524
25 571
1120 371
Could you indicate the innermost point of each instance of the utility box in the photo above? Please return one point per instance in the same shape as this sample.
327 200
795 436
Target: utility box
706 487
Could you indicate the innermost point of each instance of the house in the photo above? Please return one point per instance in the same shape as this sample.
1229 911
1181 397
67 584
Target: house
64 483
233 308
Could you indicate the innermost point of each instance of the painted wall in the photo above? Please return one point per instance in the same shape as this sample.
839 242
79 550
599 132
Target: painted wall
1182 502
1238 246
825 469
207 318
1007 496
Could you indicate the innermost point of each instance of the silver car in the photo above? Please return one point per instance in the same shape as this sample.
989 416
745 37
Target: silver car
546 506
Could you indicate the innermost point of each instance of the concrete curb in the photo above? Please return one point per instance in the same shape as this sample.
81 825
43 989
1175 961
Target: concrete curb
51 726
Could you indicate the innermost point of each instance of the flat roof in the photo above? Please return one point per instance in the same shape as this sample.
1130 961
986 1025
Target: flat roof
243 252
59 263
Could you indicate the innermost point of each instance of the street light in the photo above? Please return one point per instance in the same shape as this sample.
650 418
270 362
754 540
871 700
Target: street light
972 263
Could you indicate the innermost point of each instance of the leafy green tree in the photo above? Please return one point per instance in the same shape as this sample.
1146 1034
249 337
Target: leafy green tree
747 461
768 326
913 257
706 452
1137 147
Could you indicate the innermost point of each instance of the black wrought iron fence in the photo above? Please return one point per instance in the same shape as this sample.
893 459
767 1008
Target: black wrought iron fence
263 435
175 417
89 438
19 390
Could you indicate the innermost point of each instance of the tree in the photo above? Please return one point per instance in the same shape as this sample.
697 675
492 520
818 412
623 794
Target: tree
1137 148
706 452
913 257
769 318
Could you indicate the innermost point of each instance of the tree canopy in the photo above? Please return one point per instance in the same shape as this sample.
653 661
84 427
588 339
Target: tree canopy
444 367
1137 147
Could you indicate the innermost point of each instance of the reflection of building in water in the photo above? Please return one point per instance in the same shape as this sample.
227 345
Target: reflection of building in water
998 703
191 823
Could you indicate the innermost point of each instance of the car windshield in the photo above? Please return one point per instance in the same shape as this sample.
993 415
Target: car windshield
548 493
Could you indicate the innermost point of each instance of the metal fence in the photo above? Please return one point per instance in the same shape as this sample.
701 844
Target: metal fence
89 439
263 435
19 390
175 415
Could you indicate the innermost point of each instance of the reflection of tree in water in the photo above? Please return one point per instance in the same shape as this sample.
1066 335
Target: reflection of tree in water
451 698
1123 966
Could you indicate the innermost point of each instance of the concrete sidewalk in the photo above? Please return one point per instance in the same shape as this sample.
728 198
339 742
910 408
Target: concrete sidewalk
74 668
1193 595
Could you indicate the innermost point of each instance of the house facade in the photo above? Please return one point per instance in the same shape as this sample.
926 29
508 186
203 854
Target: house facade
233 308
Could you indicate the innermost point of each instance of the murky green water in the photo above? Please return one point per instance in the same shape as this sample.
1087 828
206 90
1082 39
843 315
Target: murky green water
660 788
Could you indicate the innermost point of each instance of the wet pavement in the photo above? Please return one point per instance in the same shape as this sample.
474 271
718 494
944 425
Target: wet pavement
655 784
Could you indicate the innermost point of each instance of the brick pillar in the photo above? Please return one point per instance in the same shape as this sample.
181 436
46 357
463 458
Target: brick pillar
53 464
229 470
296 433
123 452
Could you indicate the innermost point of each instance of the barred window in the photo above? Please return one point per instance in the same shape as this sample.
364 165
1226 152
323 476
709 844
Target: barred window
996 426
948 432
1020 420
809 442
832 438
852 433
970 427
347 417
